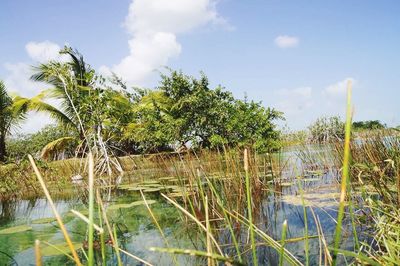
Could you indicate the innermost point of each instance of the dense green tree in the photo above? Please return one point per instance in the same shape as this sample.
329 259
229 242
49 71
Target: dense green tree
253 125
368 125
152 128
209 117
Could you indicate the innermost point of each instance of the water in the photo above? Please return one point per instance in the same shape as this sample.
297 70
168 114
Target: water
280 201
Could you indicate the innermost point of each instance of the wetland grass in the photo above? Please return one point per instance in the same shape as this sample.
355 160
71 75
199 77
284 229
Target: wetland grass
219 195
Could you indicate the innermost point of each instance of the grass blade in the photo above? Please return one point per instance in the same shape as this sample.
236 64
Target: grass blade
91 209
53 207
345 175
283 238
38 255
249 208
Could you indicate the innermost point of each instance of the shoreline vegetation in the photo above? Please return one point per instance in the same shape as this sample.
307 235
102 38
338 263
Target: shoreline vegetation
219 162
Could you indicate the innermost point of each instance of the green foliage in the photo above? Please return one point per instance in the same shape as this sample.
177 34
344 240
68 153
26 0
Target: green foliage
186 111
182 111
10 116
21 145
326 130
368 125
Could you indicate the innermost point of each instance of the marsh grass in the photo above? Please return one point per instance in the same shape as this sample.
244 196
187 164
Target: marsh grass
219 193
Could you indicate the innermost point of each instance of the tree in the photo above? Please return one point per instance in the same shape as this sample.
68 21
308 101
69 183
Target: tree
368 125
326 129
9 118
208 117
152 127
21 144
182 110
253 125
73 85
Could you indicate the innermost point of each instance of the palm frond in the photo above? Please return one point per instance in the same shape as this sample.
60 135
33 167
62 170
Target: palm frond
56 146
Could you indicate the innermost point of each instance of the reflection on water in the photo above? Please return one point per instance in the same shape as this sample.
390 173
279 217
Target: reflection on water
136 232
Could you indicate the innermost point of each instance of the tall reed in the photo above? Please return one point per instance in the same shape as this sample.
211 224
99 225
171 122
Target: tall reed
249 208
345 176
91 209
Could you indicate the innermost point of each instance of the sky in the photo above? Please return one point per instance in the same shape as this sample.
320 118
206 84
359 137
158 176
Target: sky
295 56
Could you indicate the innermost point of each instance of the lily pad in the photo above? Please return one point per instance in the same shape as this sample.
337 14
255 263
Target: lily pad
15 229
129 205
118 206
136 188
180 194
141 202
150 182
152 185
171 187
59 249
321 200
127 186
44 220
286 184
148 190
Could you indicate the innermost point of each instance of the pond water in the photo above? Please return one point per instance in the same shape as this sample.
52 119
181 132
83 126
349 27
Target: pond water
136 231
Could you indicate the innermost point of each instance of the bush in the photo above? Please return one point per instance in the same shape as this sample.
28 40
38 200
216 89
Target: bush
326 129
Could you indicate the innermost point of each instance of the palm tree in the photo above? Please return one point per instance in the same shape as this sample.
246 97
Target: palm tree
73 86
10 116
84 103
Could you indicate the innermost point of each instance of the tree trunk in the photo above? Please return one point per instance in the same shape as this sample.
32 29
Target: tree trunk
3 153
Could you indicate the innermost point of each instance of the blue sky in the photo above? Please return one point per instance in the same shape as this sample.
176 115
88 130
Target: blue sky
293 55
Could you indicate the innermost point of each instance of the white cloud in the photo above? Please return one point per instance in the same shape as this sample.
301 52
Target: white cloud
18 79
286 41
35 122
294 101
18 82
339 89
147 53
44 51
174 16
153 26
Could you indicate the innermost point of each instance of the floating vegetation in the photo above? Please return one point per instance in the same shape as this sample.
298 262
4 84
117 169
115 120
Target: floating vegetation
150 182
44 220
148 190
180 194
15 229
129 205
59 249
136 188
321 200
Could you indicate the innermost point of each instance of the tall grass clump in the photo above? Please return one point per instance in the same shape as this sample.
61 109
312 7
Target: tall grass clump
374 166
